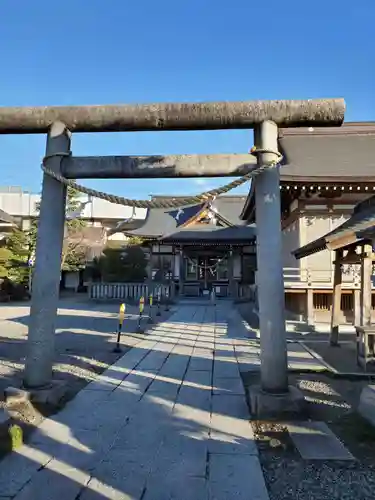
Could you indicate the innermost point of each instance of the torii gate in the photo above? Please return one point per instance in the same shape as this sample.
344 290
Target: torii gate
59 166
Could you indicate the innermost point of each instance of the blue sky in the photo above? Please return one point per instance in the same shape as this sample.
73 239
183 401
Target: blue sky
127 51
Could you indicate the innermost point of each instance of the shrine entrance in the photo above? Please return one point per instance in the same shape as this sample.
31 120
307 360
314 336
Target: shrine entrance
61 170
206 271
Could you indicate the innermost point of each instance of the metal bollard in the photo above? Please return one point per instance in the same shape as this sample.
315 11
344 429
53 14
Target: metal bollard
141 308
151 300
121 317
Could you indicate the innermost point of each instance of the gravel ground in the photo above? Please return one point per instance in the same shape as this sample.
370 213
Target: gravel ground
331 400
288 476
85 337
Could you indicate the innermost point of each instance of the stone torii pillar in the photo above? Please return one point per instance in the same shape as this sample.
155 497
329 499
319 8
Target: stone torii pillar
46 282
273 396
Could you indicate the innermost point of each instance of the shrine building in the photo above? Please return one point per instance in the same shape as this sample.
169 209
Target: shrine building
201 247
325 173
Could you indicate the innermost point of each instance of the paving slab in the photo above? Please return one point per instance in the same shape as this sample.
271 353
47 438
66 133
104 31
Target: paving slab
299 358
231 431
228 386
236 476
232 405
116 481
170 487
153 361
191 420
193 398
198 379
99 490
201 364
138 380
164 388
175 366
56 480
226 368
183 350
19 468
315 441
230 435
182 456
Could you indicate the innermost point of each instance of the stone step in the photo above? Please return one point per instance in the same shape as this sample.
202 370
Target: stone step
367 404
315 441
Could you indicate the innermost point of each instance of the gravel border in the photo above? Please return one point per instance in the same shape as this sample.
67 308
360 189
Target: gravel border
288 476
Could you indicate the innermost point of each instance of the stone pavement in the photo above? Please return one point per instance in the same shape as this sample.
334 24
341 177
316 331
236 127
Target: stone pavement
168 420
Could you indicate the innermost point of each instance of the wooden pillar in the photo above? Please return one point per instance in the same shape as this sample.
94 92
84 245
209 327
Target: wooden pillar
151 284
230 274
150 264
366 288
181 277
310 306
357 307
173 272
160 266
336 299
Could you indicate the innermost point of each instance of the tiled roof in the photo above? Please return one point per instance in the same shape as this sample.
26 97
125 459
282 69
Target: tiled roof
243 234
341 154
351 231
159 222
5 217
230 207
347 151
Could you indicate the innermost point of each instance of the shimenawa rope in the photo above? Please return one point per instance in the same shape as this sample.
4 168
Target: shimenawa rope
163 203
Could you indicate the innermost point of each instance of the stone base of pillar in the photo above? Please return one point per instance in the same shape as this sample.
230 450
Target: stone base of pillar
268 405
50 395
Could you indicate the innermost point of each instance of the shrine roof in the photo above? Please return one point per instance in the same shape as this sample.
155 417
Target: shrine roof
328 153
5 217
343 154
358 227
212 233
163 223
230 207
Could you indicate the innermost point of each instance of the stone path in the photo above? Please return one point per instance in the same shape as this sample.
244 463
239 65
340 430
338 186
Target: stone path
167 421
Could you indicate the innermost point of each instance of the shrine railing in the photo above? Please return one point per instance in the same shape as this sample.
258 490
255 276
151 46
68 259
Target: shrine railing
295 276
129 291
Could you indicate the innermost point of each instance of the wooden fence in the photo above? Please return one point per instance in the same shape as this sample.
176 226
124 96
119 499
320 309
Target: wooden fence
129 291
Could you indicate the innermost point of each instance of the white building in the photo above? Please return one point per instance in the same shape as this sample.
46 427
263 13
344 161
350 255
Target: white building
21 206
